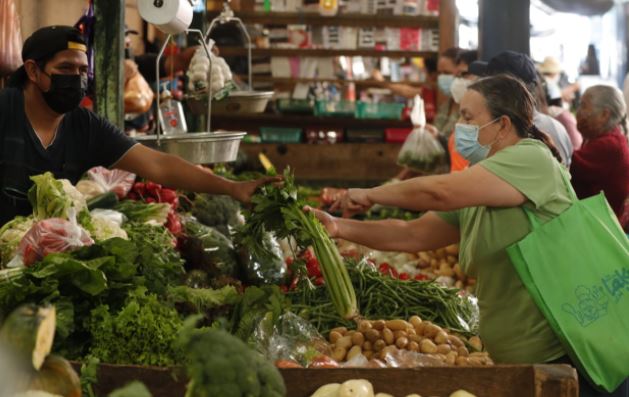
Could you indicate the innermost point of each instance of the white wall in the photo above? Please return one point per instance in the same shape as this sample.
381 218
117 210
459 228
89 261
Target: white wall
35 14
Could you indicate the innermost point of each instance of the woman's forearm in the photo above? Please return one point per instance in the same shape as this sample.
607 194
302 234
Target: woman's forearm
385 235
417 194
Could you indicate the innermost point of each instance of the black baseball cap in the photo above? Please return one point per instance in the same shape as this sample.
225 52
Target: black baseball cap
514 63
45 43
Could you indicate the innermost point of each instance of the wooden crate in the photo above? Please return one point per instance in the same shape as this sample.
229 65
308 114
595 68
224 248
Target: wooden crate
496 381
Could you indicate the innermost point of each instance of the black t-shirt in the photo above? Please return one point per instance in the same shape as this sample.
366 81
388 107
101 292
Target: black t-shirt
83 140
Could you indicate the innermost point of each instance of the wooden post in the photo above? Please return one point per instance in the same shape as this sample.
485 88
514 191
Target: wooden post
108 56
448 25
503 25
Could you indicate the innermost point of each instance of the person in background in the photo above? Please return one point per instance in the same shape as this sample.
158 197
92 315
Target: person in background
549 102
590 65
557 81
513 167
522 67
447 109
43 129
602 163
459 86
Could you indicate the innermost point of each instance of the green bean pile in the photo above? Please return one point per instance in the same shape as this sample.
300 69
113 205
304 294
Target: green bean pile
387 298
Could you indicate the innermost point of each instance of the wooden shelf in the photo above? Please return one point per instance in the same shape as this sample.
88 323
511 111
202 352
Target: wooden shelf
252 122
357 20
358 83
324 52
357 162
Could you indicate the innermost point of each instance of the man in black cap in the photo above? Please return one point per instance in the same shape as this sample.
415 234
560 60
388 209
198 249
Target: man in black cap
522 67
42 128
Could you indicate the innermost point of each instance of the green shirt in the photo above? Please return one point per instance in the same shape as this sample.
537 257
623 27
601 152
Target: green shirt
511 326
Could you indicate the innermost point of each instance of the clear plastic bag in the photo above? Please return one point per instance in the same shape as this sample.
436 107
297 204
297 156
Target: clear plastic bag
292 338
10 37
421 150
117 181
49 236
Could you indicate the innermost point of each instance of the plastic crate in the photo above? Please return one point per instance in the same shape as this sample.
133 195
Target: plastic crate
337 108
396 135
294 106
280 135
363 135
388 111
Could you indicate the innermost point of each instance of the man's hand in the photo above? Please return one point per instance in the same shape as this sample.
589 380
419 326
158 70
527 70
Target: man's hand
242 191
328 221
355 201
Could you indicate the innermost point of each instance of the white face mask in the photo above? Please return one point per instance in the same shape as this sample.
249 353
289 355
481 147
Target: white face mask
458 88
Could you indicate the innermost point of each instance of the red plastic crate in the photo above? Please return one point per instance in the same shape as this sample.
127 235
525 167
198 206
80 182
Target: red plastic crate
396 135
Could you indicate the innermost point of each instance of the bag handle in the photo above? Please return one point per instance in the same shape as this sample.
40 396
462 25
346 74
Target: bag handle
535 223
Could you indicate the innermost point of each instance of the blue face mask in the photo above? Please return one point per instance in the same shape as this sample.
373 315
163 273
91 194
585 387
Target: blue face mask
466 142
444 81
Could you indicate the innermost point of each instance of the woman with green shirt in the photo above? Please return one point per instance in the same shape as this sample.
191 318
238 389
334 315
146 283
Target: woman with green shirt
513 165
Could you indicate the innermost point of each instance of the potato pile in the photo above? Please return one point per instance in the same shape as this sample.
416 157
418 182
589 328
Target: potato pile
376 339
443 264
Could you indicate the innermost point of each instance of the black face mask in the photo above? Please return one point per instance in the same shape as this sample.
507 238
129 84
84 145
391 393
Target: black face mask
66 92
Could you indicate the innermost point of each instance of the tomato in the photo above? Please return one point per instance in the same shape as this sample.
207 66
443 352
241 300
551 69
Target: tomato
421 277
319 281
384 268
139 188
323 361
287 364
404 276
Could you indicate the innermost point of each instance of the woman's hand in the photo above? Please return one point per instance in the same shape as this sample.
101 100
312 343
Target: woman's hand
328 221
354 201
242 191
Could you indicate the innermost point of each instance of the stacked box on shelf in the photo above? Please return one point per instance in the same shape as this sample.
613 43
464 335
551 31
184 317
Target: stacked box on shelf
280 135
396 135
335 108
364 135
388 111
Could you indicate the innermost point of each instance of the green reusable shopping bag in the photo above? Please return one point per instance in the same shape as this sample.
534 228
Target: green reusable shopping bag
576 268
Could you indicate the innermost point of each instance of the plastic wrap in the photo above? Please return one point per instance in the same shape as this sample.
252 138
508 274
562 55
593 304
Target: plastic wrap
117 181
291 338
421 150
50 236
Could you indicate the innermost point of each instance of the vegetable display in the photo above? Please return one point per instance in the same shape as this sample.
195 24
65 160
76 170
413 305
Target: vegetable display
377 339
279 209
388 298
231 369
364 388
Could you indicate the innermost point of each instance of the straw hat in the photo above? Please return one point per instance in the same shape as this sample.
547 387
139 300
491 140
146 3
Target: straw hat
550 66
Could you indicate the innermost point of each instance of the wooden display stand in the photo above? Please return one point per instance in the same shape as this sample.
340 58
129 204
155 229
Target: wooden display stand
496 381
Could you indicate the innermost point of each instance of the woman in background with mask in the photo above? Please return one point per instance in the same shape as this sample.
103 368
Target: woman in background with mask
459 86
513 165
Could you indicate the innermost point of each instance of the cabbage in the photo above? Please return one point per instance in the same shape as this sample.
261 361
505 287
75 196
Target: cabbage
52 198
104 228
10 236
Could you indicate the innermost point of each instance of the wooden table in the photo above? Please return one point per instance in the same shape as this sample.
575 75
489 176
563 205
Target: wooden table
496 381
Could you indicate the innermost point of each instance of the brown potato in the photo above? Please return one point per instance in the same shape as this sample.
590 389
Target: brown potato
339 353
378 324
441 337
411 331
463 351
334 336
431 330
367 346
397 325
455 341
364 326
462 361
415 321
353 352
444 348
401 342
340 330
372 335
379 345
413 346
415 338
452 249
427 346
368 354
345 342
399 334
451 358
388 337
358 338
476 343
